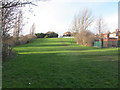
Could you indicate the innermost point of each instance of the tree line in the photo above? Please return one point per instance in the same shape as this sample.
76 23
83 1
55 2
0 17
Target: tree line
49 34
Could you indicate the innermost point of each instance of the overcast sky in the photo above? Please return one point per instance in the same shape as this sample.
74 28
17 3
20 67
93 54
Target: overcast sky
58 15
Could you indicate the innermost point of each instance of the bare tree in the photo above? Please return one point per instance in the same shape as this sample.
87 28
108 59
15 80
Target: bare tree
80 27
18 25
8 18
32 30
9 10
101 27
0 48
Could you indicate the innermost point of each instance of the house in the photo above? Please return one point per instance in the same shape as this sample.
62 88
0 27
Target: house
67 34
114 34
110 39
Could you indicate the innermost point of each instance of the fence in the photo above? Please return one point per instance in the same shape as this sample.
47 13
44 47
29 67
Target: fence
118 44
110 44
98 44
106 44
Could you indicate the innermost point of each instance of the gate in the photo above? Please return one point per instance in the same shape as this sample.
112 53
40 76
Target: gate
98 44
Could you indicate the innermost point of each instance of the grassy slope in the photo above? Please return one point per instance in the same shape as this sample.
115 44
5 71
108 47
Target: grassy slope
58 63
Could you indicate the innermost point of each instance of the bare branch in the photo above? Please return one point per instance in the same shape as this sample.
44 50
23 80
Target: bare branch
14 4
80 26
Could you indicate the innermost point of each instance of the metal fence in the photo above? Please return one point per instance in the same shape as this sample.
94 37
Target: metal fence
118 44
98 44
106 44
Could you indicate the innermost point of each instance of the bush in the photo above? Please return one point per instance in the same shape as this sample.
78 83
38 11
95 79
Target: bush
47 35
23 40
7 52
85 38
40 35
13 41
51 34
30 37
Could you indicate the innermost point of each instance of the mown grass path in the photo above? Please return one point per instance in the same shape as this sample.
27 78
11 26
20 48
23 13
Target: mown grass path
61 63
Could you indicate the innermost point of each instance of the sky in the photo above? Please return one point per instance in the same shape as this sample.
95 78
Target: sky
58 15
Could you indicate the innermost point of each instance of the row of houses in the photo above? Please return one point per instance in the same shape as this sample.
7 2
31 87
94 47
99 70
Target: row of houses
109 39
114 36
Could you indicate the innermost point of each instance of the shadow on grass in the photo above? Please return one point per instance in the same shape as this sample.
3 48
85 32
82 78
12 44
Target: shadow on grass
61 70
43 42
67 71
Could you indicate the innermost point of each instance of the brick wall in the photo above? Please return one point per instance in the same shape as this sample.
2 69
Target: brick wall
114 39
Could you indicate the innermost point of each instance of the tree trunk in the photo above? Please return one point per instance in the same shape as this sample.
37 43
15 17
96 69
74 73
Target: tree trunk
0 47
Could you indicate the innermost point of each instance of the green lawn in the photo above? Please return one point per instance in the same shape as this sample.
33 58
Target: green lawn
61 63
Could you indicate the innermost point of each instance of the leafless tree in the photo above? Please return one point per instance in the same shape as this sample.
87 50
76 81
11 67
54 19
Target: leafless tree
32 30
80 27
18 25
101 27
0 45
9 10
8 19
83 21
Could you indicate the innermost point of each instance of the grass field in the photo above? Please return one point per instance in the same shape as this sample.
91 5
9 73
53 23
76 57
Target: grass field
61 63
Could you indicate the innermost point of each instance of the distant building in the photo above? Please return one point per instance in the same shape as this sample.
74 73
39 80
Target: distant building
110 39
67 34
114 35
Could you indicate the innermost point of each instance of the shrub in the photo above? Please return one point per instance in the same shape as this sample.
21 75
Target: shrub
23 40
30 37
51 34
7 52
13 41
47 35
40 35
85 38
